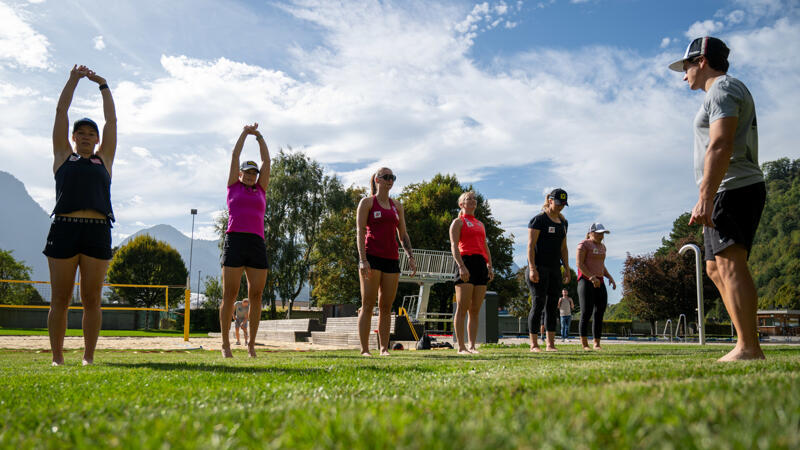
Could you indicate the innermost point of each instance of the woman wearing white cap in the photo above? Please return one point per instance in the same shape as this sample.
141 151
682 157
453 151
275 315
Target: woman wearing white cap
244 249
592 295
80 235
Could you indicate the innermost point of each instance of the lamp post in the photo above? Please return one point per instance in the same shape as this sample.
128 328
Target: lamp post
191 245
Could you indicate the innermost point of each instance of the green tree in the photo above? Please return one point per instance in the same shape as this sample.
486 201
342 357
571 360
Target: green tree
16 293
146 261
430 207
334 277
775 257
681 230
212 289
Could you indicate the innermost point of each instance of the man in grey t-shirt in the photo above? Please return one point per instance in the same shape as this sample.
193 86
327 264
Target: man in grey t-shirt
732 191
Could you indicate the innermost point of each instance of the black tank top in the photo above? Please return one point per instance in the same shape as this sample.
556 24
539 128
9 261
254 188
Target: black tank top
83 183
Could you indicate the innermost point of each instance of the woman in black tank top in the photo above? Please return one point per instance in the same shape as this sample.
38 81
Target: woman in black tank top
80 235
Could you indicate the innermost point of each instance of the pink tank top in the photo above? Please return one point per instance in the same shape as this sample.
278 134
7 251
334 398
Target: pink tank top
594 255
473 237
246 206
382 224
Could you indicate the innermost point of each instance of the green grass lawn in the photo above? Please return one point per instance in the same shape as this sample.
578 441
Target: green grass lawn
124 333
627 396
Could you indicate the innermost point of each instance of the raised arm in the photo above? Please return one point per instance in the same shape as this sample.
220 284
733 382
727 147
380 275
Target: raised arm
361 233
233 175
61 146
405 241
533 236
455 236
108 146
263 175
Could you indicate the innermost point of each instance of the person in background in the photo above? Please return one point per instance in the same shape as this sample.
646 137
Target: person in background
565 307
592 295
241 310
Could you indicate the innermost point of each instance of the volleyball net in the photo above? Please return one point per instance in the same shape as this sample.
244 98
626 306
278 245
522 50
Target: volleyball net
26 294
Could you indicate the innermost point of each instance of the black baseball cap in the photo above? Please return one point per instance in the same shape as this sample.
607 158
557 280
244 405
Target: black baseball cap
559 195
85 121
707 46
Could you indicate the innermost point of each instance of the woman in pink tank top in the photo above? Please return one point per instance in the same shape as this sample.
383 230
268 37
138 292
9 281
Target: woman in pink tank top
590 259
471 252
380 221
244 250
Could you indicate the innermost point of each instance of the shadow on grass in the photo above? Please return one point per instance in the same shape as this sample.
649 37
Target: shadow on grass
223 368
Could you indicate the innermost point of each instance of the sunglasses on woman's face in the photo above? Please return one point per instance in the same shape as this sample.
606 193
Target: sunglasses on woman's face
387 177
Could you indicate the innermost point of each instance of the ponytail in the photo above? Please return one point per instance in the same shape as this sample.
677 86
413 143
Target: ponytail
373 187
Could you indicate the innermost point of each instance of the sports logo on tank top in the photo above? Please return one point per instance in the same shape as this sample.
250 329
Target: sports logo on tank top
96 161
469 224
376 214
74 158
551 229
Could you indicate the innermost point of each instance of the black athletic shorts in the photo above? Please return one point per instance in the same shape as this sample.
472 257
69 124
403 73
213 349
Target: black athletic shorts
385 265
478 272
70 236
736 215
244 250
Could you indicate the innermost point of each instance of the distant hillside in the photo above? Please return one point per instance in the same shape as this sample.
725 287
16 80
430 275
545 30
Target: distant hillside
23 226
205 253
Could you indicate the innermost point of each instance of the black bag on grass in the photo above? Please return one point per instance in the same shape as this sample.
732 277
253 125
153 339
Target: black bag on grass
424 343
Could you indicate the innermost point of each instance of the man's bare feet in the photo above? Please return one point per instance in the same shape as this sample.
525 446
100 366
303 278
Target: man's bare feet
738 354
251 351
87 362
226 352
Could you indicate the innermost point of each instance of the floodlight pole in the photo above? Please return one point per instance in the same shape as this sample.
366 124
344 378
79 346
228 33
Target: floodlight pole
187 297
701 329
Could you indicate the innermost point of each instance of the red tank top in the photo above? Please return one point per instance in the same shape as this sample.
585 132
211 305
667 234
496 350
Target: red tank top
473 237
382 224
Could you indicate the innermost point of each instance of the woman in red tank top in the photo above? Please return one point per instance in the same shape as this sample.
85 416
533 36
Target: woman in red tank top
380 222
469 248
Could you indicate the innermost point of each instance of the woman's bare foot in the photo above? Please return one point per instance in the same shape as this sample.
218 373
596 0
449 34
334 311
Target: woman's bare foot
251 351
366 353
586 348
597 347
226 352
57 363
473 350
463 351
738 354
384 352
551 348
87 362
536 349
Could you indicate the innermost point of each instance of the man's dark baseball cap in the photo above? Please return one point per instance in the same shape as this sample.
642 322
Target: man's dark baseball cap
559 195
707 46
85 121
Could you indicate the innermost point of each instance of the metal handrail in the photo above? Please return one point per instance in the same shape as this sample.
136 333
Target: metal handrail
682 318
434 265
411 304
668 324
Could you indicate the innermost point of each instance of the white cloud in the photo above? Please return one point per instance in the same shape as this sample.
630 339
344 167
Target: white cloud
735 17
665 42
704 28
20 44
99 43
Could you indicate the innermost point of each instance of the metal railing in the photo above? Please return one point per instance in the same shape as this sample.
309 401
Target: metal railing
411 304
432 265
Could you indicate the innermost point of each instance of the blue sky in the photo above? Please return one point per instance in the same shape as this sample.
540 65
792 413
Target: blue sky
514 97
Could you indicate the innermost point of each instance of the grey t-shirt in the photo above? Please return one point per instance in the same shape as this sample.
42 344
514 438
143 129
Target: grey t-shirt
729 97
241 311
